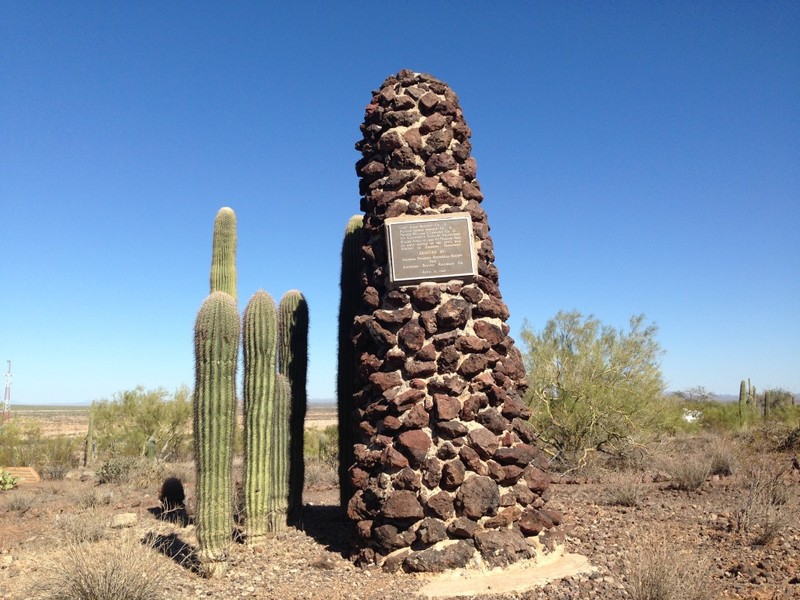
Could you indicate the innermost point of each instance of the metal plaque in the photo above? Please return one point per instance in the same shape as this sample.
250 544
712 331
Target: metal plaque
430 248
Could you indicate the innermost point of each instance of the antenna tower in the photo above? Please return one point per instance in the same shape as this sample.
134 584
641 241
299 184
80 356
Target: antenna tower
7 395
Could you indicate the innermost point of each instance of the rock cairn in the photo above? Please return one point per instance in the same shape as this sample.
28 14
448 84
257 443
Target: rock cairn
447 472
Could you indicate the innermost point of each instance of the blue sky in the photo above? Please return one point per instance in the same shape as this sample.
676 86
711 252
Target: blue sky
635 157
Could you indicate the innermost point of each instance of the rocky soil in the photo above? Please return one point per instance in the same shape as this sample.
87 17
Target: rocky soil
697 529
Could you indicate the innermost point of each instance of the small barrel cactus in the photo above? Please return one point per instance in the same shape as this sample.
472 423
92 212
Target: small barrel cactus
216 350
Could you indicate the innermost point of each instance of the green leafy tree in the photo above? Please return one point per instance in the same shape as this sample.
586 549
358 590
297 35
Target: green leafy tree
124 424
593 387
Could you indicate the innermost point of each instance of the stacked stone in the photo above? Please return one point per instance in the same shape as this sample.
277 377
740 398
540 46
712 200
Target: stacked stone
448 471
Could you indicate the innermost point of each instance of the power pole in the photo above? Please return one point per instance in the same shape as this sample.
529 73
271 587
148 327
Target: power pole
7 396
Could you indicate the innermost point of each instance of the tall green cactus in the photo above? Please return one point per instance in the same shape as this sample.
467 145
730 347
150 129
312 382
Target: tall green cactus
259 340
293 363
350 299
278 452
88 451
223 253
767 400
216 350
742 402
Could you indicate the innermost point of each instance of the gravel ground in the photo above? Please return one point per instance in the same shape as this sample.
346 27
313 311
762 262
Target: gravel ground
696 530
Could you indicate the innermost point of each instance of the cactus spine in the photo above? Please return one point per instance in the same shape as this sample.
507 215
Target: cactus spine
260 331
216 349
293 363
350 297
223 253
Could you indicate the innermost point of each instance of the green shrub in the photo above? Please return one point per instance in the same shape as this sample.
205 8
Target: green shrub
593 387
125 423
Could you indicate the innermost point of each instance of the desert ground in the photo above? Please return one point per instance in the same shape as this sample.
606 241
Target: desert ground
639 525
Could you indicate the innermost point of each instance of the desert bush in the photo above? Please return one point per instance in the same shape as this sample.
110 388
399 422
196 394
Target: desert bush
320 473
767 505
107 570
593 387
140 472
23 445
722 455
657 570
81 527
20 501
718 416
688 472
322 444
624 489
125 423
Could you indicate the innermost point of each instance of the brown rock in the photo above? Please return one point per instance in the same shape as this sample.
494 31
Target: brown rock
392 459
472 405
538 481
431 471
533 522
431 530
433 123
483 441
415 444
389 538
382 382
436 560
488 331
405 400
514 407
462 527
478 496
426 354
471 344
472 365
523 494
427 319
446 407
414 368
453 314
491 307
411 336
493 421
452 474
520 454
448 360
441 505
407 479
417 417
393 317
402 504
451 429
501 548
504 518
451 385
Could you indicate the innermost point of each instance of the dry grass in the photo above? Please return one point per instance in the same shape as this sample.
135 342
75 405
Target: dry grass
82 527
657 570
107 570
767 507
689 472
624 489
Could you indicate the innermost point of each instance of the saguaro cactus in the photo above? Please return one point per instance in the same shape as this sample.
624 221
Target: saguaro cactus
260 332
216 349
88 451
223 253
278 452
350 287
742 402
293 363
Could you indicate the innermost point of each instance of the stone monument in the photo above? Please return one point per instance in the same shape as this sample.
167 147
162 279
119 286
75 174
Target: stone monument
447 472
